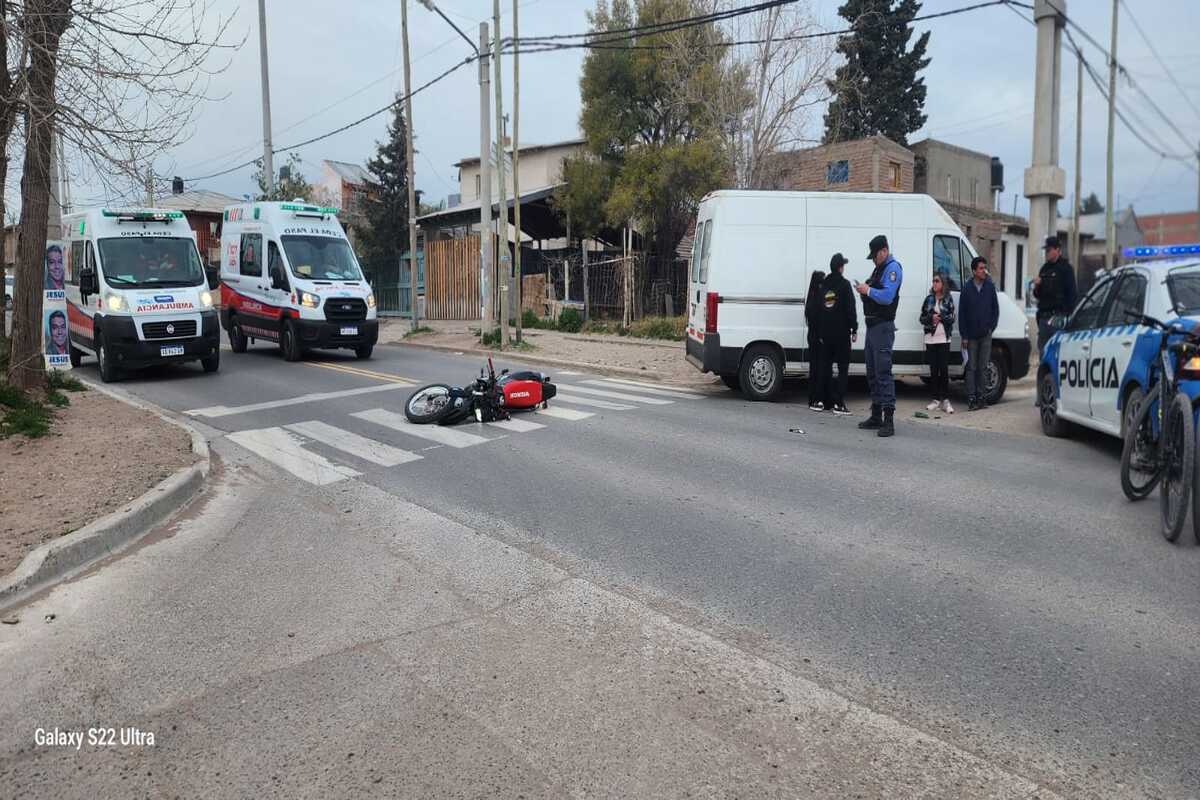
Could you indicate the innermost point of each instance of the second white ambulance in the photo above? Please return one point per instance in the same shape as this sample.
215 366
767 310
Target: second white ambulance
289 276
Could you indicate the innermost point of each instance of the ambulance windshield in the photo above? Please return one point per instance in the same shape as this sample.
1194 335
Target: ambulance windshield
1184 286
321 258
145 261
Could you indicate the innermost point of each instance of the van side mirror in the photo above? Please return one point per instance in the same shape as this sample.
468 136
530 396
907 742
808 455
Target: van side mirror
87 282
213 276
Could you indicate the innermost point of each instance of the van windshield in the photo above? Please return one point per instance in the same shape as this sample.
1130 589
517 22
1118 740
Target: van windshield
321 258
144 261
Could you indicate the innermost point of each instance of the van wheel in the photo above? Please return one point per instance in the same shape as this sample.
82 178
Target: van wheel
237 339
761 375
212 363
75 355
995 379
364 352
732 381
108 369
1048 402
289 343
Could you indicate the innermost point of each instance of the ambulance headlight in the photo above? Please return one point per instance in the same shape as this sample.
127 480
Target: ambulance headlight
206 299
308 299
116 302
371 300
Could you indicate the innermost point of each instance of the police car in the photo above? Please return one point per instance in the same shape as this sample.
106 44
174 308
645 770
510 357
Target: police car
1096 365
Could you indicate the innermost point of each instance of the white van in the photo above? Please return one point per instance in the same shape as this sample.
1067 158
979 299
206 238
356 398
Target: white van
137 293
289 276
753 255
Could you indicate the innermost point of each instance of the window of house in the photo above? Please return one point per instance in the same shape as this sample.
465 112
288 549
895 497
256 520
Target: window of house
949 187
896 177
837 172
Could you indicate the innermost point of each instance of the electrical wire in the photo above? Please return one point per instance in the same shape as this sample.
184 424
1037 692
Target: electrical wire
1154 51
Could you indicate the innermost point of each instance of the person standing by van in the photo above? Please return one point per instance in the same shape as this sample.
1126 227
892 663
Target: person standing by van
937 318
839 327
880 297
978 315
1054 288
812 319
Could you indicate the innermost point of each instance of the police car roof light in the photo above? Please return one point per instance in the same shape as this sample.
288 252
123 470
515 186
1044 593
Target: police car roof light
1163 251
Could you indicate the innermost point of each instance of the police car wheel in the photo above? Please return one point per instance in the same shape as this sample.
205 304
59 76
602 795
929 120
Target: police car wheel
1140 470
761 374
1048 408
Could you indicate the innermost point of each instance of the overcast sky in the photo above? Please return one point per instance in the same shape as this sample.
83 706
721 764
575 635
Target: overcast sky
333 61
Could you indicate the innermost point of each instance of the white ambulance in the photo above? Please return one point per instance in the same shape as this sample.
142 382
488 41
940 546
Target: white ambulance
755 251
137 293
289 276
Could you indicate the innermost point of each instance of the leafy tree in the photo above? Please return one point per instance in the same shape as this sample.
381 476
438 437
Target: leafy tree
1091 205
385 232
652 137
289 183
877 90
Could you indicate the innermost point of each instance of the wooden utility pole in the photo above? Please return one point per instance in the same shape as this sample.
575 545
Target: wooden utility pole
487 239
1074 244
413 277
516 148
1109 232
503 269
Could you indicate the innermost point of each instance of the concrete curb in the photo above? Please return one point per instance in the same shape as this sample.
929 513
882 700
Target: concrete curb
621 372
70 554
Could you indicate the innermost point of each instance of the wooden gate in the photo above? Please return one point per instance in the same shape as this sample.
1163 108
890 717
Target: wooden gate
452 278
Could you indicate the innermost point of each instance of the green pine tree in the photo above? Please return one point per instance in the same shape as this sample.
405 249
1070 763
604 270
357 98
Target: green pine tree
385 232
878 89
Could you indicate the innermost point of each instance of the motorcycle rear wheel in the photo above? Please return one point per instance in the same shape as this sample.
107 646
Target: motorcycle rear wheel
429 404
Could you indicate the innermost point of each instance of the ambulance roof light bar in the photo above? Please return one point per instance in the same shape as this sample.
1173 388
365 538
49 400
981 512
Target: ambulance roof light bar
301 209
1161 251
140 214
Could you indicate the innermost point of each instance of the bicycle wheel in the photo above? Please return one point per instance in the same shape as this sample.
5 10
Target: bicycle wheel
1140 470
1179 463
428 404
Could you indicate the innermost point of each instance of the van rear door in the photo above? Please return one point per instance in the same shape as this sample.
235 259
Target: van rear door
698 280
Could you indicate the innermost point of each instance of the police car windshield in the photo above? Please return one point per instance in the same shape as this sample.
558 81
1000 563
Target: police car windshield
1184 286
147 261
321 258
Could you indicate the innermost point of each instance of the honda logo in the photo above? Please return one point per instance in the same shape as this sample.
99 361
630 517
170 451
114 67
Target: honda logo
170 330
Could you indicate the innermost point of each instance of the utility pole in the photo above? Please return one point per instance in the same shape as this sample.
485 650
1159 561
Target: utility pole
1109 232
502 264
1198 195
150 187
1074 254
268 164
413 281
1045 181
516 148
487 242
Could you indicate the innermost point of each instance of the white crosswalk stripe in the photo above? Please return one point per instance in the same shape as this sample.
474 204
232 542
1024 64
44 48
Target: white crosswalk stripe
516 425
569 414
350 442
591 402
286 451
649 388
629 398
434 433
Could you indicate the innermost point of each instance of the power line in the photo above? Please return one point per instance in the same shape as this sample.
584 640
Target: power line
1154 51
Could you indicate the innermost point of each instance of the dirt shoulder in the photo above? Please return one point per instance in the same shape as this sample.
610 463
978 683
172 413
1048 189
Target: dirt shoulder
100 454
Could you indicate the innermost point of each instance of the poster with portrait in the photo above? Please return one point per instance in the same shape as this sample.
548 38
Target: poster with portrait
55 333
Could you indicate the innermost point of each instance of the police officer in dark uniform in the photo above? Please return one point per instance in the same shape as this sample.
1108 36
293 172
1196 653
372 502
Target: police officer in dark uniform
880 297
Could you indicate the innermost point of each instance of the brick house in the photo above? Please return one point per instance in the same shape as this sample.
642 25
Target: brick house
874 164
1166 229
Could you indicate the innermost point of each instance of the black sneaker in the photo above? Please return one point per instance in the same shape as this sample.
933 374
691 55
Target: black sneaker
841 410
817 406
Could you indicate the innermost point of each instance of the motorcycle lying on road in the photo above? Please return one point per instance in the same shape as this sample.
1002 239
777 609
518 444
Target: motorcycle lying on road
488 398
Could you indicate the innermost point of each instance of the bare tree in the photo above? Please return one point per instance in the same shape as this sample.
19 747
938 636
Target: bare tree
13 57
124 81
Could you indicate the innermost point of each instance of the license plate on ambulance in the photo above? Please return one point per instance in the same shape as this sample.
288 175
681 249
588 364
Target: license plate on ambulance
350 330
172 350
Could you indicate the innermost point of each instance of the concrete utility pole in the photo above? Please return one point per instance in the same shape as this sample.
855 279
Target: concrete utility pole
502 263
268 163
150 187
516 148
1198 195
1045 181
413 277
487 242
1079 155
1109 231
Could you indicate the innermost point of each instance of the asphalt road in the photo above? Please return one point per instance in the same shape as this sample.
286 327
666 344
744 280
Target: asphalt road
996 592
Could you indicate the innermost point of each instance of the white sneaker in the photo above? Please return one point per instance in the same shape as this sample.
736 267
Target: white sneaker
949 409
933 405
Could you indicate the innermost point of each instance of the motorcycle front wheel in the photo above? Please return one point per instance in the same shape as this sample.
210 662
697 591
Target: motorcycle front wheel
429 404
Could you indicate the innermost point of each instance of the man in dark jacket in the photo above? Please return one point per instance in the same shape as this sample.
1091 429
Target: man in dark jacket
1054 288
839 326
978 315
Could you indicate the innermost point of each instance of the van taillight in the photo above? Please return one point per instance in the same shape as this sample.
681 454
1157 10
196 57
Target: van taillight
710 312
